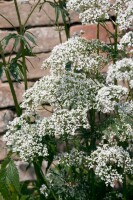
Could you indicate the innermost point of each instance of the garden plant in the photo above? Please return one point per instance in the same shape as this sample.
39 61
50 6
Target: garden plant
91 114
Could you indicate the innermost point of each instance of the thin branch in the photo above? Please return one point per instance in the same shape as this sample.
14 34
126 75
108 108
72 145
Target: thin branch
8 21
31 12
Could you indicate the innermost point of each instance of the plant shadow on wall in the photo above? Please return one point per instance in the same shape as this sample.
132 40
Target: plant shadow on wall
92 114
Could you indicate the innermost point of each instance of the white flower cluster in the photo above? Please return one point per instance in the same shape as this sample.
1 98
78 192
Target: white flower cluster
76 54
126 108
43 190
124 12
107 163
108 96
120 131
121 70
74 158
126 42
25 135
71 90
91 11
131 84
22 138
64 123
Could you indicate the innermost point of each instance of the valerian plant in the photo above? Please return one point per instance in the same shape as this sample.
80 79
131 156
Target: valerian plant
15 69
92 113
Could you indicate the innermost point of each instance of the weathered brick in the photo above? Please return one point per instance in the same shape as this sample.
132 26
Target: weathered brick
5 117
28 174
45 37
6 99
90 31
34 67
46 111
39 18
3 150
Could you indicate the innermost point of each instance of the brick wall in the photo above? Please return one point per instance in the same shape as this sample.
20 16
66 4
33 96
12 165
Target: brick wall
41 24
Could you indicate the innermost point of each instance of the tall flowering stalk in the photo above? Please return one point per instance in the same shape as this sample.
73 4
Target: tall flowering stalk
92 114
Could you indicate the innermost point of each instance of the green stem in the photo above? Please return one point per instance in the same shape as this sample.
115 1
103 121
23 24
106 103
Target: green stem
98 35
92 124
17 107
41 179
115 44
22 44
106 29
59 31
18 15
124 188
24 65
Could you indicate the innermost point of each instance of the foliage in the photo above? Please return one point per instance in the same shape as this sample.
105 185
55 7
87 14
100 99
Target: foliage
92 114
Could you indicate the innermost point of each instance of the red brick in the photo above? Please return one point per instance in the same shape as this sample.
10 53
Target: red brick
46 111
44 17
46 38
28 174
90 31
3 150
6 99
5 117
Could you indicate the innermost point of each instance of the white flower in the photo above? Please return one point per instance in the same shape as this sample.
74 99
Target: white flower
121 70
22 138
70 91
126 108
126 41
74 158
108 96
91 11
124 12
43 190
64 123
76 54
94 11
106 162
118 131
131 84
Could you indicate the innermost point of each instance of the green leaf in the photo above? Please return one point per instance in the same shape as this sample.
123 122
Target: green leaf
57 13
13 176
24 197
30 38
9 180
7 38
1 69
16 42
68 66
3 185
14 71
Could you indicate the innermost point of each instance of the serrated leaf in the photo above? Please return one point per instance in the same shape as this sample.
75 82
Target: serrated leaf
13 176
3 185
5 162
9 180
